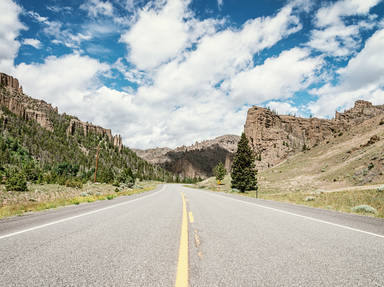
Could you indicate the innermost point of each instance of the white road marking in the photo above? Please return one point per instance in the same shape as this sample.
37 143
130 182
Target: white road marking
77 216
301 216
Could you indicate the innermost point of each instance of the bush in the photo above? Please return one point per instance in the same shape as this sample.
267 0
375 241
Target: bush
364 208
16 182
74 183
309 198
110 196
380 189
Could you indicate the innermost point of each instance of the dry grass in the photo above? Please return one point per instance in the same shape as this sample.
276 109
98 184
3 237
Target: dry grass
40 197
340 201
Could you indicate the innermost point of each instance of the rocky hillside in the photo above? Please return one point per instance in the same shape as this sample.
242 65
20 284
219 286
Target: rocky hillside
196 160
274 137
33 132
353 157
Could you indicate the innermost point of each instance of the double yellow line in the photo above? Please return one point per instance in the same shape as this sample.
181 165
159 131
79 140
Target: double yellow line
182 266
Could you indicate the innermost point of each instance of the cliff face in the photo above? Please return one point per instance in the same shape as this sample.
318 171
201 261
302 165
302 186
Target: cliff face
273 138
196 160
13 98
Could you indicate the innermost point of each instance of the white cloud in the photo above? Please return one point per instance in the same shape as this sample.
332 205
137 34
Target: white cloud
186 87
332 14
362 78
64 36
158 34
333 36
283 108
36 16
32 42
277 78
96 8
220 3
10 27
63 81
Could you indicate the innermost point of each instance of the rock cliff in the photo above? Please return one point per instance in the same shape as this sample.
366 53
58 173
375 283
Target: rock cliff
275 137
13 98
196 160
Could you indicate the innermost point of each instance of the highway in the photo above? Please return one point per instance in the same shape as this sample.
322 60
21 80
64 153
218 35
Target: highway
178 236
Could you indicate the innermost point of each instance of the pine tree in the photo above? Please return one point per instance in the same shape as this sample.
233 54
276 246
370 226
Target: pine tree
243 167
220 171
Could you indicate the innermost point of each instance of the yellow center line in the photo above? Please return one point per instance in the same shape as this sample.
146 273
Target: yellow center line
191 219
182 266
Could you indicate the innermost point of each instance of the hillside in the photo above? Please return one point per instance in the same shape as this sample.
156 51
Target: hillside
352 157
45 146
275 138
195 161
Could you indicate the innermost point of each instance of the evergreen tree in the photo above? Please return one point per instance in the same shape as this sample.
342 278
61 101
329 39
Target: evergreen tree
219 171
243 167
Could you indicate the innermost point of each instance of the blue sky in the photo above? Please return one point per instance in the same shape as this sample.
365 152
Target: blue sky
171 72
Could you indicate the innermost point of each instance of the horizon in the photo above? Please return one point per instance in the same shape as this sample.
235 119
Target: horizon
170 73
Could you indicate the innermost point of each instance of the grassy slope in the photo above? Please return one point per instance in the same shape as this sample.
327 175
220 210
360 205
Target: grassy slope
342 164
40 197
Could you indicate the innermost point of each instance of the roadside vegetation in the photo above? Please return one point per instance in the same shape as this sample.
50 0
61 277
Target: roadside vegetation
365 202
40 197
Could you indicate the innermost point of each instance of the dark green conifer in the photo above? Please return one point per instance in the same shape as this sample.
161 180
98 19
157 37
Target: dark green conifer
243 167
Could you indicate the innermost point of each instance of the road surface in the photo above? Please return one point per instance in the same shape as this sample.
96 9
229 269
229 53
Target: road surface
177 236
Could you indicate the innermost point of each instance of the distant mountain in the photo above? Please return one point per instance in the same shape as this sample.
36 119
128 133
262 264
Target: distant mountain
55 145
195 161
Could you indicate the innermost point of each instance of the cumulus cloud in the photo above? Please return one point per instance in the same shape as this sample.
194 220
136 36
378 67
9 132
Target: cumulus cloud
188 87
64 81
333 36
277 78
362 78
32 42
283 108
10 27
157 35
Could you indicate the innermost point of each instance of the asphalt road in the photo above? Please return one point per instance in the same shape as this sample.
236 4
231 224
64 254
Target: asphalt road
230 241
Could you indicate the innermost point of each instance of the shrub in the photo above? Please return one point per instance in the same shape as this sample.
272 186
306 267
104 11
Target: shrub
219 171
381 122
370 166
16 182
380 189
309 198
110 196
74 183
364 208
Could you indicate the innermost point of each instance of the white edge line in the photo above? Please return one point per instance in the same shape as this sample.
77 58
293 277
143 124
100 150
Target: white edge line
77 216
302 216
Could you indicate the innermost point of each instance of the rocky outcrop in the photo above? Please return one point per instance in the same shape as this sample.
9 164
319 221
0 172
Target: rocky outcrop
275 137
13 98
10 83
86 128
361 112
196 160
118 142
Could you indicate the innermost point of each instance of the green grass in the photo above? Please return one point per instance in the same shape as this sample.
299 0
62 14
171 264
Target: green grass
41 197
